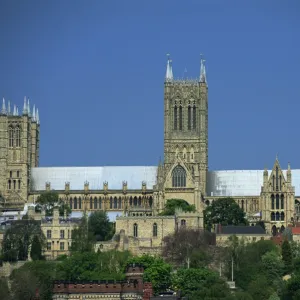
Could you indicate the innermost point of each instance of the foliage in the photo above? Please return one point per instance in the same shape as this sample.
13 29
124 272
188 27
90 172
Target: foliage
4 290
156 271
224 211
36 249
260 289
19 237
100 227
82 239
272 266
48 200
243 296
93 266
184 245
287 234
173 204
274 297
200 284
287 255
33 275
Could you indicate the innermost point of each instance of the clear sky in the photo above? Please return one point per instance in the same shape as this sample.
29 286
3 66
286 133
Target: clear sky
95 69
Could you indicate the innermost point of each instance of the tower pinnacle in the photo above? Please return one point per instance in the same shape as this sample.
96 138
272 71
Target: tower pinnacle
25 107
169 72
202 71
3 111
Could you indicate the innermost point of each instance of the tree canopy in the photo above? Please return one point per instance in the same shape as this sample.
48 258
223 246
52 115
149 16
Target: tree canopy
48 200
100 226
224 211
173 204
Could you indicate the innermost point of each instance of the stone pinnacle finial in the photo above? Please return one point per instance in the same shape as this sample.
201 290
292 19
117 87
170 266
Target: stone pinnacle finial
33 114
28 107
3 111
202 70
25 111
37 117
169 71
15 110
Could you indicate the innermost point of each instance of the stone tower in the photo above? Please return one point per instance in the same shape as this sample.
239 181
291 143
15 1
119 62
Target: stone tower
277 199
19 152
186 124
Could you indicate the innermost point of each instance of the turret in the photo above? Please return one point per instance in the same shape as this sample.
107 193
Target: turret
266 176
289 174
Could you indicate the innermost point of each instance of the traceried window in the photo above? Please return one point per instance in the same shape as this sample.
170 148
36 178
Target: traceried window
135 230
180 117
48 234
282 201
277 201
11 136
18 136
178 177
91 203
273 201
154 229
189 118
194 117
175 117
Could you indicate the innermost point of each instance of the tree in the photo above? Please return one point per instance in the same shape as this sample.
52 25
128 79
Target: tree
4 289
48 200
173 204
287 256
82 239
100 226
200 284
260 289
224 211
19 237
180 248
272 266
156 271
36 249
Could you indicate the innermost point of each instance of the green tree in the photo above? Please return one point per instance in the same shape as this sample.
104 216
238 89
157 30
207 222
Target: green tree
224 211
287 256
19 237
272 266
48 200
82 239
259 288
100 226
200 284
4 289
156 271
36 249
173 204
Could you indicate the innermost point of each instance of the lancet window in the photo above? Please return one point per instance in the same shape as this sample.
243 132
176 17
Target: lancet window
18 136
189 118
175 117
135 230
11 136
154 229
180 117
194 117
178 177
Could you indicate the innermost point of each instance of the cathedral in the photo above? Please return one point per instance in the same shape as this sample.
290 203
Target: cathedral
267 195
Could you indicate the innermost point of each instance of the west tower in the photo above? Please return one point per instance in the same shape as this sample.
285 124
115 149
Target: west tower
19 152
185 131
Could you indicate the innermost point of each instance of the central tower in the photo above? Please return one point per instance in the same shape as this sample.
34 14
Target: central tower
186 128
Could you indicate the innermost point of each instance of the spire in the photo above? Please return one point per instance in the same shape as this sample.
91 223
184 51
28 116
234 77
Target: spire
37 116
202 71
3 111
15 110
8 108
28 107
169 72
25 107
33 114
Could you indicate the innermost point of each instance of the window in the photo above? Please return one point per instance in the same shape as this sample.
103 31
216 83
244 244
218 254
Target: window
79 202
49 246
110 203
18 136
194 117
183 222
115 202
71 203
95 203
276 178
62 234
272 216
100 203
62 246
11 136
19 184
120 203
135 201
9 184
189 118
282 216
75 203
282 201
180 118
135 230
277 216
155 229
48 234
272 201
14 184
178 177
91 203
277 201
10 174
18 173
175 117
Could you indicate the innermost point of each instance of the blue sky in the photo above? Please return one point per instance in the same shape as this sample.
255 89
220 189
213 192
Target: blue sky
95 69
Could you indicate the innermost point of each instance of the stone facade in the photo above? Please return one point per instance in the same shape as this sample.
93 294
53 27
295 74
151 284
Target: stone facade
19 152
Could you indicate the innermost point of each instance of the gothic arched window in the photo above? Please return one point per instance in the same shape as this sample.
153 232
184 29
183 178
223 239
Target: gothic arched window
135 230
178 177
194 117
140 201
243 202
135 201
91 203
277 201
95 203
180 117
154 229
282 216
11 136
71 203
18 136
75 203
79 202
175 117
189 118
277 216
150 201
272 216
280 182
282 201
115 202
100 203
273 201
110 203
183 222
120 203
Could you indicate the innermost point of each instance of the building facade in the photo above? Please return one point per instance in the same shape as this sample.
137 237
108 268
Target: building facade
182 174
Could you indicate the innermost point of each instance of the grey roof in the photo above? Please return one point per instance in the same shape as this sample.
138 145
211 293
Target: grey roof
242 230
219 183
